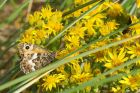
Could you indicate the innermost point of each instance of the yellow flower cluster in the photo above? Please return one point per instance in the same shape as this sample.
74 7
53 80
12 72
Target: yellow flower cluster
46 23
52 80
114 59
108 28
43 24
131 81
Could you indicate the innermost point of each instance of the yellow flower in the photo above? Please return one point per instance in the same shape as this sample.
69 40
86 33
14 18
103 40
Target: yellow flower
75 67
116 89
97 19
51 81
114 10
108 27
99 56
77 13
35 18
46 13
33 36
80 74
136 27
138 3
77 31
92 22
115 58
80 78
61 54
61 70
90 30
87 67
134 50
79 2
97 71
73 42
54 22
131 81
99 44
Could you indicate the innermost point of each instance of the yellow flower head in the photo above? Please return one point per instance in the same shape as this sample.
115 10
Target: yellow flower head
115 9
35 18
138 3
46 13
108 27
79 2
80 78
116 89
80 74
51 81
33 36
92 22
115 58
131 81
61 54
99 56
77 30
136 27
73 42
134 50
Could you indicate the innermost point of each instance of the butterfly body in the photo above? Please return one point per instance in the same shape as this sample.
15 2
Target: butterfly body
33 57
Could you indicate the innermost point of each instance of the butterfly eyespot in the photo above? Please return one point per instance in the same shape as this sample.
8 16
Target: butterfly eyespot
27 47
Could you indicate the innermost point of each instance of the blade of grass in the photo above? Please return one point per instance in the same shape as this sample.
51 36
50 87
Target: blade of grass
3 3
117 77
18 86
72 23
12 41
17 12
79 7
65 3
127 4
28 84
99 77
63 61
29 9
124 2
9 74
133 9
12 45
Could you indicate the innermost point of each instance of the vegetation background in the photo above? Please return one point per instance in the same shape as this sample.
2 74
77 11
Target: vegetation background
16 18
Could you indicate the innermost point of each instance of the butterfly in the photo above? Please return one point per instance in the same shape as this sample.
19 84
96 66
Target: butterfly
34 57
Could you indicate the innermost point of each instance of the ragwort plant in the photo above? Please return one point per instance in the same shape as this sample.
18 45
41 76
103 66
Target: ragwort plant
46 23
105 19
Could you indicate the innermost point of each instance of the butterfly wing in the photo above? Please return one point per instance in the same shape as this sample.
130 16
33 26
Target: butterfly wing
43 59
34 57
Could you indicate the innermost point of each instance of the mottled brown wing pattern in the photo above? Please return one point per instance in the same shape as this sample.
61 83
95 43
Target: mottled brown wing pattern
33 57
